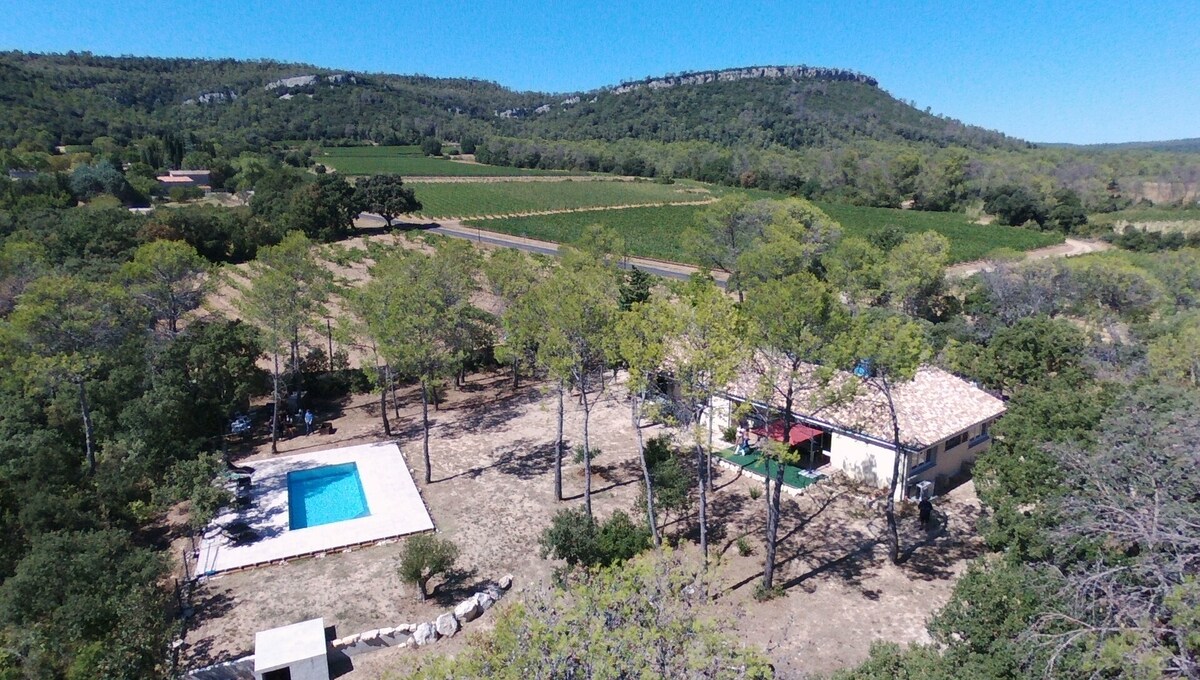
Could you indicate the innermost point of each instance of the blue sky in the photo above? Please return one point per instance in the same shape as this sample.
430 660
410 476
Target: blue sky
1084 72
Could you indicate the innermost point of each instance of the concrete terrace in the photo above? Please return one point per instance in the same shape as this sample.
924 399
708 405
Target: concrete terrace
392 498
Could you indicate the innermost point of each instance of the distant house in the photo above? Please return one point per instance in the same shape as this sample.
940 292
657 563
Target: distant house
944 421
201 179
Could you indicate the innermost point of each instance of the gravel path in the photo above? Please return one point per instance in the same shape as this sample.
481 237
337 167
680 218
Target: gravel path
1069 248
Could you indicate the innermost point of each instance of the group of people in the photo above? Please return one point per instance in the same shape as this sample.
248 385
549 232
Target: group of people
307 418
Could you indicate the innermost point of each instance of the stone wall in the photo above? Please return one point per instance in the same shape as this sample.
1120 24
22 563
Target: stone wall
419 634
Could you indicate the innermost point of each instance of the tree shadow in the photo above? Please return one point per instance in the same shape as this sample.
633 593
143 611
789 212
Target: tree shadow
526 462
207 605
932 553
457 585
497 411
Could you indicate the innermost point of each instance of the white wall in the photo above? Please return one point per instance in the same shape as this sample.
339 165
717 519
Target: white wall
316 668
861 460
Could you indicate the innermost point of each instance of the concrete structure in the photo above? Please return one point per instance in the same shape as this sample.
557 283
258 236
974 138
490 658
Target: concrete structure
295 652
394 503
944 426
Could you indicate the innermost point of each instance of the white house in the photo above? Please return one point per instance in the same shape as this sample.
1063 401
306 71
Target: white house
944 426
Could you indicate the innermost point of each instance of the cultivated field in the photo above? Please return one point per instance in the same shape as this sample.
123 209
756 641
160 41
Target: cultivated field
968 240
657 232
408 161
479 199
648 232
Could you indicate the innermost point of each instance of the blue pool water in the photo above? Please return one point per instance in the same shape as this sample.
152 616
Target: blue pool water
326 494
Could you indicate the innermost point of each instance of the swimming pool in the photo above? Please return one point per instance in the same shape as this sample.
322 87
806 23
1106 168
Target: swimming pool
324 495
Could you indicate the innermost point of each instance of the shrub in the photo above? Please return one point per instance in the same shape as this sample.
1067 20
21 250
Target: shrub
729 434
743 547
424 557
577 453
181 194
756 492
763 594
578 540
431 146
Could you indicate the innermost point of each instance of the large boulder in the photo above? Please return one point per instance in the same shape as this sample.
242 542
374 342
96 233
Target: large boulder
468 610
446 625
425 634
485 601
506 581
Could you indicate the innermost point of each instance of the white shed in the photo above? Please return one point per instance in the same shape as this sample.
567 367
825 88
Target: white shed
295 652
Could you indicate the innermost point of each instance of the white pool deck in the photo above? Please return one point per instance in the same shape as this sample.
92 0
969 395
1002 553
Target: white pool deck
392 498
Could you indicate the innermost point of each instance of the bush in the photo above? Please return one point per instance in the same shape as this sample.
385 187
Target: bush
577 453
743 547
181 194
729 434
578 540
756 492
431 146
424 557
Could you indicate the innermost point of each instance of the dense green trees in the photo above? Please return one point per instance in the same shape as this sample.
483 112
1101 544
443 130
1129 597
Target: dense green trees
414 308
104 424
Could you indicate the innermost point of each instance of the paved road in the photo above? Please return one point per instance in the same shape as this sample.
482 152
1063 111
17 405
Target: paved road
456 229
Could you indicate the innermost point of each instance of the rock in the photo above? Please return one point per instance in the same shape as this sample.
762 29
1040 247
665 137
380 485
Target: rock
468 610
369 636
447 625
351 639
406 628
386 632
485 601
425 634
493 591
506 582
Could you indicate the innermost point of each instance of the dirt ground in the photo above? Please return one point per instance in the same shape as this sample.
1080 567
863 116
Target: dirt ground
492 494
1068 248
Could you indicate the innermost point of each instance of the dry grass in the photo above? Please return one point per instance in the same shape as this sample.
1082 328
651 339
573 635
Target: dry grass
492 494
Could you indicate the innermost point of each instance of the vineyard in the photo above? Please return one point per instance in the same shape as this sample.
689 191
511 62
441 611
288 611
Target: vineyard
657 232
478 199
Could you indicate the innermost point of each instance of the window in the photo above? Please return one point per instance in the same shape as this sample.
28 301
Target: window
955 441
982 437
924 458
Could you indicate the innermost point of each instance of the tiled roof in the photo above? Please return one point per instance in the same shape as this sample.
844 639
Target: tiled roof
932 406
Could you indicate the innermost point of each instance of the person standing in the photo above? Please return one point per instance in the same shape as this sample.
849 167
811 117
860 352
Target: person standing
925 512
308 421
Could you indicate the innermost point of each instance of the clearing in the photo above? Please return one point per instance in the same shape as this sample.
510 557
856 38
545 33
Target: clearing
493 494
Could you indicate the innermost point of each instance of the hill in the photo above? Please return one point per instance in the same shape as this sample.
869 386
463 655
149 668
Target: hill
1191 145
824 133
73 98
